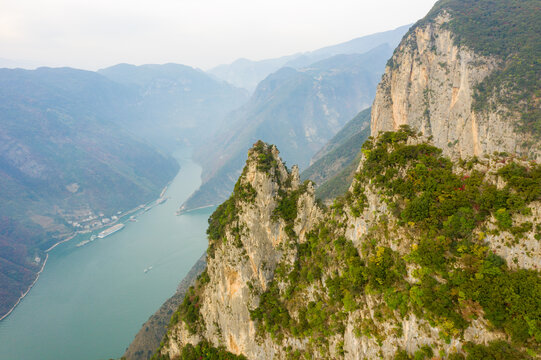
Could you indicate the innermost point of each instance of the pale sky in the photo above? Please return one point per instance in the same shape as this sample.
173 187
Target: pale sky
92 34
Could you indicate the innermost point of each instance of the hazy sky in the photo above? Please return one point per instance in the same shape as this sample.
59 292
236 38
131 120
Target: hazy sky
203 33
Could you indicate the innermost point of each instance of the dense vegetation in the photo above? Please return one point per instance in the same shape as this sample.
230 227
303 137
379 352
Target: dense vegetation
495 350
323 251
457 278
441 200
445 208
287 206
188 310
205 351
509 30
202 351
426 255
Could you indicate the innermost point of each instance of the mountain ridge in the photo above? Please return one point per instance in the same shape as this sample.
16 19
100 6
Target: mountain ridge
432 252
440 81
173 103
235 73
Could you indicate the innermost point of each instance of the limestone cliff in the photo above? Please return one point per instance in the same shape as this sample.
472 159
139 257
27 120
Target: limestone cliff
381 273
431 83
243 258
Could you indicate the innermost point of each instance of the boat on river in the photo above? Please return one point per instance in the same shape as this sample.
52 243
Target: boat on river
111 230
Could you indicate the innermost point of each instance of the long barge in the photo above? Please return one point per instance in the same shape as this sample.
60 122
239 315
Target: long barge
111 230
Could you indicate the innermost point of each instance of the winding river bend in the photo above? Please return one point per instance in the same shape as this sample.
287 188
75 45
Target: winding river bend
90 301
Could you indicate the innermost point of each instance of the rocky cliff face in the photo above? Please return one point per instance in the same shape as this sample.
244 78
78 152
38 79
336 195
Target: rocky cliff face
430 83
374 276
434 250
242 262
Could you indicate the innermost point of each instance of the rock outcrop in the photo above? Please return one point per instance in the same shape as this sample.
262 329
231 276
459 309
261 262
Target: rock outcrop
276 259
243 262
430 83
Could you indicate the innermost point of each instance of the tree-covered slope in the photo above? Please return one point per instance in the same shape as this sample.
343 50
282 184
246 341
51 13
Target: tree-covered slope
421 258
64 159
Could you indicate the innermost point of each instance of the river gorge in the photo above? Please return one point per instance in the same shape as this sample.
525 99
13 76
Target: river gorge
90 301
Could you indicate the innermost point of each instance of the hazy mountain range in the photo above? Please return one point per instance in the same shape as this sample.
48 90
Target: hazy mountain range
175 104
78 146
299 110
247 74
64 160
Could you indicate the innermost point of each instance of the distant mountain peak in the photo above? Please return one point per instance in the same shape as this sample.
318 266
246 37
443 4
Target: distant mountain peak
247 73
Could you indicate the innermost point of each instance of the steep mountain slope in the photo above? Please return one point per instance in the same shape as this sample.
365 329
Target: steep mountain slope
420 258
248 74
469 76
63 161
339 156
299 110
175 103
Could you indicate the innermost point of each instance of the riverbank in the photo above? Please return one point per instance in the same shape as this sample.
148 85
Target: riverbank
100 294
28 290
73 235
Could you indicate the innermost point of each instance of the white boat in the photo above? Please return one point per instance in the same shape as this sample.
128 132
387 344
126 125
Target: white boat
111 230
147 269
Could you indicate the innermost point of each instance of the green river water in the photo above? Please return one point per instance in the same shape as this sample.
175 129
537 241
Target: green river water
90 301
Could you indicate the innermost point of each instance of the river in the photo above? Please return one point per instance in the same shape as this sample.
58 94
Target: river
90 301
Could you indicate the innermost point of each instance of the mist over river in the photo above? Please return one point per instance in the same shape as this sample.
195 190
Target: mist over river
90 301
